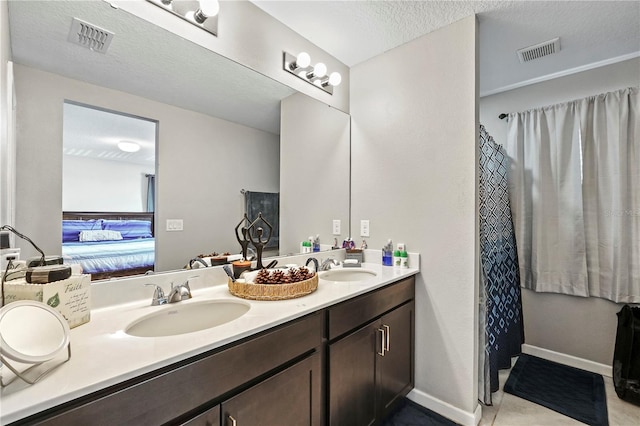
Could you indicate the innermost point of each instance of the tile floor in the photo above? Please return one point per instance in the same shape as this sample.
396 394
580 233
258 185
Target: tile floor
510 410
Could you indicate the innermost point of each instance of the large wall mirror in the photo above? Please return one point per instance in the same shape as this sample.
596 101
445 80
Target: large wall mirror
219 131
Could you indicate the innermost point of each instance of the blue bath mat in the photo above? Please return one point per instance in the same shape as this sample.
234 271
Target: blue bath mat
570 391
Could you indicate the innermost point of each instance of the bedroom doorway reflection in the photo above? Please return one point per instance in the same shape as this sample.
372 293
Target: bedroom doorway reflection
108 191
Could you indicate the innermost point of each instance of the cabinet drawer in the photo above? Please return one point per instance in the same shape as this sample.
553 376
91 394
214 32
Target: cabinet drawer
353 313
190 384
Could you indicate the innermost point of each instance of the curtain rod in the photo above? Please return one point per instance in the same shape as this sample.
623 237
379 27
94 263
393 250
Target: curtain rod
503 116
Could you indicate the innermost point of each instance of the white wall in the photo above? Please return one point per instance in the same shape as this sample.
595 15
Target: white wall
202 164
7 155
414 139
580 327
90 184
314 188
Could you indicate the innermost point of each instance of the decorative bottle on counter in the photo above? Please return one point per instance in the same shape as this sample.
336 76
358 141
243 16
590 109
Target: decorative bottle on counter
397 261
404 259
387 254
387 258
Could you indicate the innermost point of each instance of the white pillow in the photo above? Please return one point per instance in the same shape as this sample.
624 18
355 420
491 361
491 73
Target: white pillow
100 235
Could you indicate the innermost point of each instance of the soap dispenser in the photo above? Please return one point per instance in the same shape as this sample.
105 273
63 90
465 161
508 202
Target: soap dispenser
397 261
404 259
387 254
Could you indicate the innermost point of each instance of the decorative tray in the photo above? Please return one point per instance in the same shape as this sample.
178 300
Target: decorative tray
253 291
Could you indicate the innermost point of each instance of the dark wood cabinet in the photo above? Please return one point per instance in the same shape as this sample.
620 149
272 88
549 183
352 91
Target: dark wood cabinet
291 397
373 366
352 379
343 365
210 417
175 393
395 369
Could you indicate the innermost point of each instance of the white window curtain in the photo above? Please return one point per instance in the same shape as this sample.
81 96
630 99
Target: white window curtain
574 185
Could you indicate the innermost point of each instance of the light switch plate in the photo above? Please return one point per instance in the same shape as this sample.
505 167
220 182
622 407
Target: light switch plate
174 225
336 227
364 228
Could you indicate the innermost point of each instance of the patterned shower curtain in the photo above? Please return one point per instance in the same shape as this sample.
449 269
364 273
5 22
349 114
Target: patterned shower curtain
500 305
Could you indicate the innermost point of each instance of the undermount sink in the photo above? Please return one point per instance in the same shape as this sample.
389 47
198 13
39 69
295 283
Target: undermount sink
179 318
347 274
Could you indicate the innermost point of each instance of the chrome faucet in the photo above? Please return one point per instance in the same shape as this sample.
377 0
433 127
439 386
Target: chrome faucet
196 261
315 263
158 296
327 263
177 293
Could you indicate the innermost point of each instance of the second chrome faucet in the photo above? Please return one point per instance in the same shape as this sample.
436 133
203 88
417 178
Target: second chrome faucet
177 293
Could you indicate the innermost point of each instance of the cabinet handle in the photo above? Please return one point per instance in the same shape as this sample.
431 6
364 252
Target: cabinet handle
232 421
382 342
388 336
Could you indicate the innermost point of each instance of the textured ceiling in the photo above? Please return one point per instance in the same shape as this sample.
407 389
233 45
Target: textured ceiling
354 31
151 62
89 132
145 60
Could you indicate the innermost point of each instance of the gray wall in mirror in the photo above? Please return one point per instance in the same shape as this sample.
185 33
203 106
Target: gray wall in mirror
314 171
203 162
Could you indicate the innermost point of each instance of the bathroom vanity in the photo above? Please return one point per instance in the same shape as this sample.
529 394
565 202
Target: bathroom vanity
341 355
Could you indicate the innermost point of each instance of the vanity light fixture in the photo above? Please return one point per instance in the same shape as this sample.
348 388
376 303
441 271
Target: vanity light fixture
303 60
318 71
300 66
334 79
201 13
207 9
128 146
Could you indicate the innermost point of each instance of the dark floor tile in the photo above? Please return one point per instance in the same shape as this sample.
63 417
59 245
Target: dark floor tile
411 414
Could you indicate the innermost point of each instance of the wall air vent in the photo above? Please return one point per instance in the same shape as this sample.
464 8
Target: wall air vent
90 36
539 50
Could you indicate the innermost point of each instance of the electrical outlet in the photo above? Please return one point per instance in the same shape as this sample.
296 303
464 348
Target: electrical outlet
174 225
336 227
364 228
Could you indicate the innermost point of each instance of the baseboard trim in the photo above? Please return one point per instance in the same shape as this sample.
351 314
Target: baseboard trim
570 360
445 409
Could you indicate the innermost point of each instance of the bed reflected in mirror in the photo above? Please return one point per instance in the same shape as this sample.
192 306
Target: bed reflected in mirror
108 191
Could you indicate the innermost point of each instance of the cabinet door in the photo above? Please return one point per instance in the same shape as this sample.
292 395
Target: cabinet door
352 365
291 397
395 368
208 418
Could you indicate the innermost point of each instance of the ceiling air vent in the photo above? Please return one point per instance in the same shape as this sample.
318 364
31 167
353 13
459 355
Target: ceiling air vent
90 36
539 50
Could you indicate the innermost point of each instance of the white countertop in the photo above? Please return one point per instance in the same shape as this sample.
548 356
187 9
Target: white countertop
103 355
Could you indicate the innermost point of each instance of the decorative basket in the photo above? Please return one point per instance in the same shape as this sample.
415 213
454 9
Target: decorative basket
273 291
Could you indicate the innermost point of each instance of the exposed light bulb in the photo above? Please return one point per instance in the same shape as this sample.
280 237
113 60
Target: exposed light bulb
335 79
303 60
208 8
320 70
127 146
